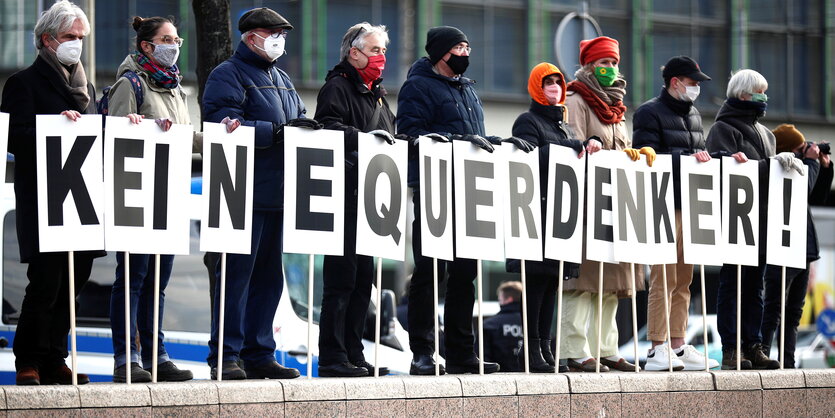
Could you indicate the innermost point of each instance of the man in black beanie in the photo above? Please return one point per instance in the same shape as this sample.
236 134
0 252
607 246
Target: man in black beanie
436 100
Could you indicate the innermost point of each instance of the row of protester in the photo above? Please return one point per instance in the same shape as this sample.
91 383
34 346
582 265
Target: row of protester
436 101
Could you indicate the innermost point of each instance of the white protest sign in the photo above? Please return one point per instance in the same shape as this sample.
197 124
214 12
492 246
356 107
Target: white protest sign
435 162
314 191
226 201
522 204
564 209
479 177
787 223
381 197
740 212
70 188
147 180
600 244
645 211
701 214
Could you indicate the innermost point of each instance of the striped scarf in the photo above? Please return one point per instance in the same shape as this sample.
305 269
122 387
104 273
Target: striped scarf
167 78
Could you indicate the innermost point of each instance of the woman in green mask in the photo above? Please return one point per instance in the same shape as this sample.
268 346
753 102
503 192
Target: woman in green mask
596 114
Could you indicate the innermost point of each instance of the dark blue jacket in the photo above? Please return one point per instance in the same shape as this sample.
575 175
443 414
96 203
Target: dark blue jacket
431 103
248 88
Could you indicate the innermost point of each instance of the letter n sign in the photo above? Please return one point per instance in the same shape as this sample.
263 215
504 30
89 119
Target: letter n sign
70 192
226 213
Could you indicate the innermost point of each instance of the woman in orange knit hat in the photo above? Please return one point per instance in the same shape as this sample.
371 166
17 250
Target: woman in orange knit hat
596 114
542 125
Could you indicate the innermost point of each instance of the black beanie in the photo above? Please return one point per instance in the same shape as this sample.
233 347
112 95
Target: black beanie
441 39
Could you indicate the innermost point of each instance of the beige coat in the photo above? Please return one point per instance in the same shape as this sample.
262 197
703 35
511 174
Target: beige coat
585 123
158 102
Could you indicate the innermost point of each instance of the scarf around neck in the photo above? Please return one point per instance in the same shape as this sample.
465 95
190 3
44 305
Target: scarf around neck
167 78
74 77
606 102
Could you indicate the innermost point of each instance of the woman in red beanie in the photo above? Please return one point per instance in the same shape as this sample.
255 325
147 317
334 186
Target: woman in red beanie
596 114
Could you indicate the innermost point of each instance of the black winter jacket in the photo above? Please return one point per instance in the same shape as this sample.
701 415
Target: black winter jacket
737 129
503 337
541 126
432 103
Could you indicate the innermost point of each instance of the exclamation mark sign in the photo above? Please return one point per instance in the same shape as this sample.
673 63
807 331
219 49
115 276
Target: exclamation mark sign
787 206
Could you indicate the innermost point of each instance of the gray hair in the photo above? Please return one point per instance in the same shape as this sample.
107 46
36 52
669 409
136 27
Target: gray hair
59 18
355 37
745 82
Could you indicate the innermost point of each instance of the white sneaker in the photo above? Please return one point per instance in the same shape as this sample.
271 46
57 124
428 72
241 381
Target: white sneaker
658 361
694 359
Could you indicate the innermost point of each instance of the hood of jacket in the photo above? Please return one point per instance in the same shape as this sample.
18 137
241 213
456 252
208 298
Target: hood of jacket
538 73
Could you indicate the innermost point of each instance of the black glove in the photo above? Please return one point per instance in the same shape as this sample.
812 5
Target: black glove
521 143
305 123
477 140
495 140
385 136
404 137
437 137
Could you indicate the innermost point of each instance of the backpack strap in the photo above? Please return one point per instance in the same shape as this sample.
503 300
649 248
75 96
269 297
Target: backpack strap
137 87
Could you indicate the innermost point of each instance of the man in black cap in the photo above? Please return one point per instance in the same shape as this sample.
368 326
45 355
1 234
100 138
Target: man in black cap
671 124
438 101
248 89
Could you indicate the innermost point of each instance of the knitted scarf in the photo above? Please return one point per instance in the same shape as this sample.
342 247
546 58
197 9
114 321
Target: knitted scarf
606 102
167 78
73 75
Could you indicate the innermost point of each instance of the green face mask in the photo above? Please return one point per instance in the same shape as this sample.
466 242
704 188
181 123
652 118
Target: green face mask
606 75
759 97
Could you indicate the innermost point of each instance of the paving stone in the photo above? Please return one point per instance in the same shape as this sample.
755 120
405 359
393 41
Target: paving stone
488 385
819 402
491 407
318 389
646 405
783 379
736 380
593 382
121 412
596 405
738 403
184 393
186 411
376 408
432 387
112 395
375 388
784 403
643 381
42 397
690 381
250 391
545 405
435 407
252 410
819 378
693 404
541 384
315 409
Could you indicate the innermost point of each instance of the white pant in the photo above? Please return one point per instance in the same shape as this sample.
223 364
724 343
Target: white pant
579 325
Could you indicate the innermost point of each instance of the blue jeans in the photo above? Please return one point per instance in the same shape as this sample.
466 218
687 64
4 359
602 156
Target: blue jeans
141 307
752 305
254 283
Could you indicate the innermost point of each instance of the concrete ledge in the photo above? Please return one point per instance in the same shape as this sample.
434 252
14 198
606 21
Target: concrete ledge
593 383
644 381
42 397
322 389
488 385
690 381
819 378
114 396
181 394
371 388
541 384
737 380
432 387
250 391
783 379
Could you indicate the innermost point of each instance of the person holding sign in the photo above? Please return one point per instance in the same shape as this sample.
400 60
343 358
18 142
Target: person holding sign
54 84
249 88
352 100
738 133
153 66
789 139
542 125
596 112
671 124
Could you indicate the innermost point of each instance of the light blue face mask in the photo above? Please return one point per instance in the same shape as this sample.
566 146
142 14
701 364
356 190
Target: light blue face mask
759 97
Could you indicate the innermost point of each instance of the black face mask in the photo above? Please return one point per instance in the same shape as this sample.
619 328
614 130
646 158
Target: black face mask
458 63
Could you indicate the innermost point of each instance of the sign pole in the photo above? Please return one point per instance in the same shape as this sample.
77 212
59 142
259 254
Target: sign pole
739 316
599 315
310 317
221 316
782 316
377 317
480 321
559 316
435 314
74 361
155 351
525 339
128 334
634 315
704 317
667 317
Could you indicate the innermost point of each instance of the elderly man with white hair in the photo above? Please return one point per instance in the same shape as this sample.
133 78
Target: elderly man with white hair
352 100
54 84
738 132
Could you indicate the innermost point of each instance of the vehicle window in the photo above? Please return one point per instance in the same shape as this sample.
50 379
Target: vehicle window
295 275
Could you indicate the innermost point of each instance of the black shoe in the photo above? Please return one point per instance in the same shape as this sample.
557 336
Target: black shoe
168 372
345 369
545 346
230 370
471 366
423 364
536 362
271 370
729 360
137 374
367 366
564 366
758 359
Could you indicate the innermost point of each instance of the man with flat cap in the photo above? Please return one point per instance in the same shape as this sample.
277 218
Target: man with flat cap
438 101
248 89
671 124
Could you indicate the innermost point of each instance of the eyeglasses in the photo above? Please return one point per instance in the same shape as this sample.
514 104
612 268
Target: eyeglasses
278 34
170 40
460 49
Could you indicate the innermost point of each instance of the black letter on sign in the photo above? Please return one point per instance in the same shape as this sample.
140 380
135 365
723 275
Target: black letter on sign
741 210
436 226
233 193
474 198
521 201
700 207
637 211
602 202
565 176
660 212
161 187
387 225
62 180
787 206
122 180
308 187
